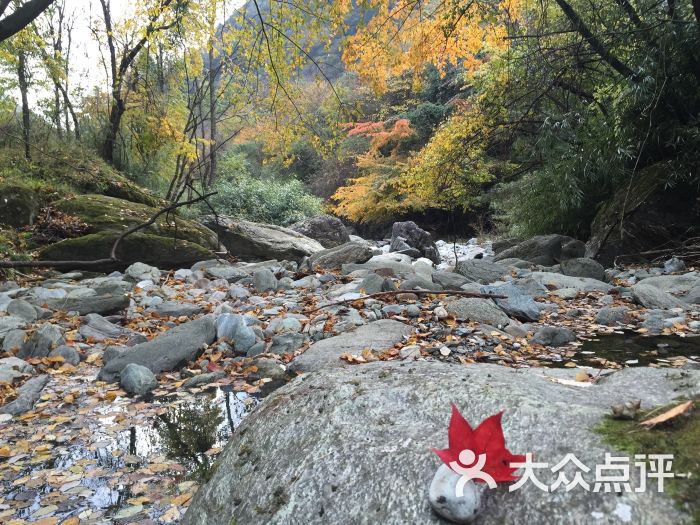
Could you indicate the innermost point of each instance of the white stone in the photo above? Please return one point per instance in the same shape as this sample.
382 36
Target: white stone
444 500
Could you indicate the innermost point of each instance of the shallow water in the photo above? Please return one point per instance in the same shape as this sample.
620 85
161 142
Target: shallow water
632 349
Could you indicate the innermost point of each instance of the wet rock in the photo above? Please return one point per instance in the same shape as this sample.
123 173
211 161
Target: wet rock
22 309
69 354
553 336
415 237
166 352
656 320
348 253
613 315
583 267
326 229
137 380
650 296
234 329
142 272
41 342
379 335
264 280
444 500
481 271
480 310
27 395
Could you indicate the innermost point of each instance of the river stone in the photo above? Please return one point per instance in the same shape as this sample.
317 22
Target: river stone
98 304
481 271
41 342
442 495
284 343
166 352
395 263
449 280
557 280
136 379
686 286
652 297
518 304
476 309
319 448
379 335
203 379
27 395
224 271
142 272
12 368
177 309
674 265
264 280
326 229
234 329
553 336
613 315
415 237
22 309
14 339
583 267
348 253
98 328
9 323
69 354
546 250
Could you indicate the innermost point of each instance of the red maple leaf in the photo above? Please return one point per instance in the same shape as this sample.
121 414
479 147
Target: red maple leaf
486 439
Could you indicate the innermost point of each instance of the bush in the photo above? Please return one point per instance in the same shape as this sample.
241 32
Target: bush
261 200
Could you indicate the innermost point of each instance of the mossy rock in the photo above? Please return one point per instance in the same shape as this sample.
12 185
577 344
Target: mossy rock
104 213
19 205
156 250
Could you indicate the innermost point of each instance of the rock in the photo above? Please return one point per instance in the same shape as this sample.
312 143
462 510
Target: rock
41 342
113 351
685 286
12 368
98 328
442 495
269 368
115 285
177 309
264 280
285 343
652 297
449 280
20 205
581 284
9 323
69 354
553 336
326 229
583 267
348 253
234 329
387 265
379 335
656 320
480 310
203 379
613 315
99 304
324 422
22 309
14 339
417 238
546 250
141 272
224 271
374 283
566 293
166 352
518 304
252 240
27 395
481 270
137 380
674 265
417 282
163 252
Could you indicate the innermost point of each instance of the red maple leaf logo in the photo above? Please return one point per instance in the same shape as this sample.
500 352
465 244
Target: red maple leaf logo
485 439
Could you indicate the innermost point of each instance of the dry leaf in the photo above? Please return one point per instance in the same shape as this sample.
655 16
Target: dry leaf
676 411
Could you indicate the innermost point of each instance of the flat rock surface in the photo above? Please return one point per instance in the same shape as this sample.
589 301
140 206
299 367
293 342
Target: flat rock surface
354 444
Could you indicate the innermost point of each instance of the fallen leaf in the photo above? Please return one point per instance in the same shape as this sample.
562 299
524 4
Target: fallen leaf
674 412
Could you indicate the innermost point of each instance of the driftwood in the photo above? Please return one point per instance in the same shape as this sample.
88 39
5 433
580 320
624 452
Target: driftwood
113 258
461 293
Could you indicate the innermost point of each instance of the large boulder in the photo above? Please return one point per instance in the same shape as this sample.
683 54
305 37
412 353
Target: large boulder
686 286
653 214
583 267
352 445
379 335
326 229
416 237
162 252
20 205
481 270
102 213
166 352
348 253
479 310
256 241
546 250
558 281
652 297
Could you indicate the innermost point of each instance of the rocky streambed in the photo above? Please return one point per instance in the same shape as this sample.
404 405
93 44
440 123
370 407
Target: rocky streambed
120 391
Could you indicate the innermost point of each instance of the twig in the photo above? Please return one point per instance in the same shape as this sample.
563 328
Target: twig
417 292
113 254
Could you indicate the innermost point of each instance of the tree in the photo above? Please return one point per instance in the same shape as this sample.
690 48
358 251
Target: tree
22 15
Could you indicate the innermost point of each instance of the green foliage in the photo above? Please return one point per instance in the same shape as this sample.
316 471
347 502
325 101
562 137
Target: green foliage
268 200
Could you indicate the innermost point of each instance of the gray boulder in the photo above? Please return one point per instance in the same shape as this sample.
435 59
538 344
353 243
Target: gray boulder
177 309
518 304
142 272
41 342
450 280
137 380
417 282
583 267
674 265
481 270
225 271
417 238
553 336
480 310
69 354
22 309
98 304
352 445
203 379
9 323
374 283
546 250
98 328
264 280
27 395
613 315
581 284
326 229
234 329
652 297
256 241
348 253
286 343
685 286
12 368
379 335
166 352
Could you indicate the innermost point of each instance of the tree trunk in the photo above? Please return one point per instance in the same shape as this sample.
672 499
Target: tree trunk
115 119
212 117
23 88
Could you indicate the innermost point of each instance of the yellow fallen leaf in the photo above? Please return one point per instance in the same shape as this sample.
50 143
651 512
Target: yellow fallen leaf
674 412
70 399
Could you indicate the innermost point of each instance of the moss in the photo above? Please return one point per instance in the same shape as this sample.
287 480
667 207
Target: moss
156 250
103 213
680 437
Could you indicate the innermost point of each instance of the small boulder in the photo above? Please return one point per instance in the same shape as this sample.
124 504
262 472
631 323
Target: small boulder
141 272
264 280
417 238
583 267
348 253
326 229
553 336
137 380
234 329
674 265
69 354
649 296
480 310
481 271
41 342
22 309
613 315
